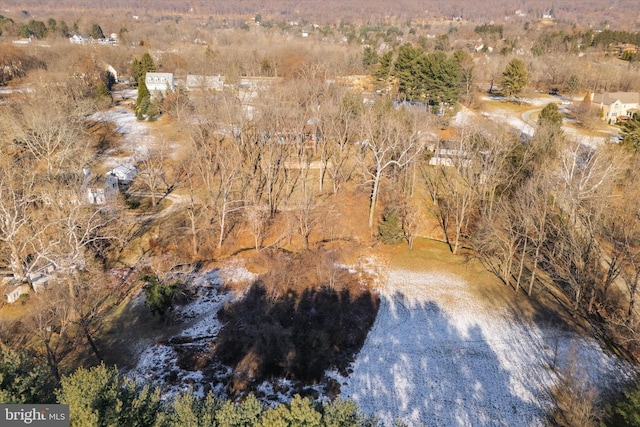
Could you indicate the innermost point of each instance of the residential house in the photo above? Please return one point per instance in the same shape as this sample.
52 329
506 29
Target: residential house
78 39
15 292
616 106
159 82
36 281
99 190
125 173
199 82
22 41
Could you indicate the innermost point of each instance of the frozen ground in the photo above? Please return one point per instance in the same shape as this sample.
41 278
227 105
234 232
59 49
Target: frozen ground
437 355
136 139
523 123
158 365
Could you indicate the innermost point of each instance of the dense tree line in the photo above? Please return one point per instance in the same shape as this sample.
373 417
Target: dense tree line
606 38
430 78
101 396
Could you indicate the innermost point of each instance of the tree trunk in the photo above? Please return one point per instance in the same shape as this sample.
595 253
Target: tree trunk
524 251
92 343
632 295
194 237
374 197
533 269
223 216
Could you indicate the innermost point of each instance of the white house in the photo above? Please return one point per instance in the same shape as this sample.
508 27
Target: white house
99 190
199 82
616 105
159 82
22 41
125 173
78 39
15 292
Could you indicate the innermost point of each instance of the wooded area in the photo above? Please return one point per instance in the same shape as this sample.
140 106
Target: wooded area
315 147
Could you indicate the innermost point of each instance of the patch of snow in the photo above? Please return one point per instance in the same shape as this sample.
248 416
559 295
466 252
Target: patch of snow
438 355
157 364
464 117
276 391
235 272
509 119
138 140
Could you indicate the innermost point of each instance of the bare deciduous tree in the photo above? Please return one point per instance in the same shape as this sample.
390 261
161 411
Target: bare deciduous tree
389 141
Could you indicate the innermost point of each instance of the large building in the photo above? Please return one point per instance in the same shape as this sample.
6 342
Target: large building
616 105
159 82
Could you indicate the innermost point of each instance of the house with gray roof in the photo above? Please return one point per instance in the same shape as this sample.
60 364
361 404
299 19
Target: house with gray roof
159 82
616 106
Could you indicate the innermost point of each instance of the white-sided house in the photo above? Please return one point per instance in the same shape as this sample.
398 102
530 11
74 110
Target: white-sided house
14 293
125 173
79 39
99 190
616 105
199 82
159 82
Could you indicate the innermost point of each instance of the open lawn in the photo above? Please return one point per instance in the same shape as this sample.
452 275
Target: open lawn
452 346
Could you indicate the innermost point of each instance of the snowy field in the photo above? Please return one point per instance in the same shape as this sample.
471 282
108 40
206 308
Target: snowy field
437 355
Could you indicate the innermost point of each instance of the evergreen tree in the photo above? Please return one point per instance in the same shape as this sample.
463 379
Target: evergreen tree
188 410
147 64
64 29
37 29
23 379
144 98
369 57
384 66
631 132
440 77
549 131
550 117
245 414
514 77
159 295
140 67
96 32
407 68
340 413
390 230
100 397
625 412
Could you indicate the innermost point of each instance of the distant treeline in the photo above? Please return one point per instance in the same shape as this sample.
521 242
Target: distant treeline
608 37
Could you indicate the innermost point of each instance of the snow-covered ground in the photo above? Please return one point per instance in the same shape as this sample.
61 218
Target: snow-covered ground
438 355
523 123
136 139
157 364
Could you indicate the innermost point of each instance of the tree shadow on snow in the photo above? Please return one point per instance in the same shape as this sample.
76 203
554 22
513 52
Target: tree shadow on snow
418 367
